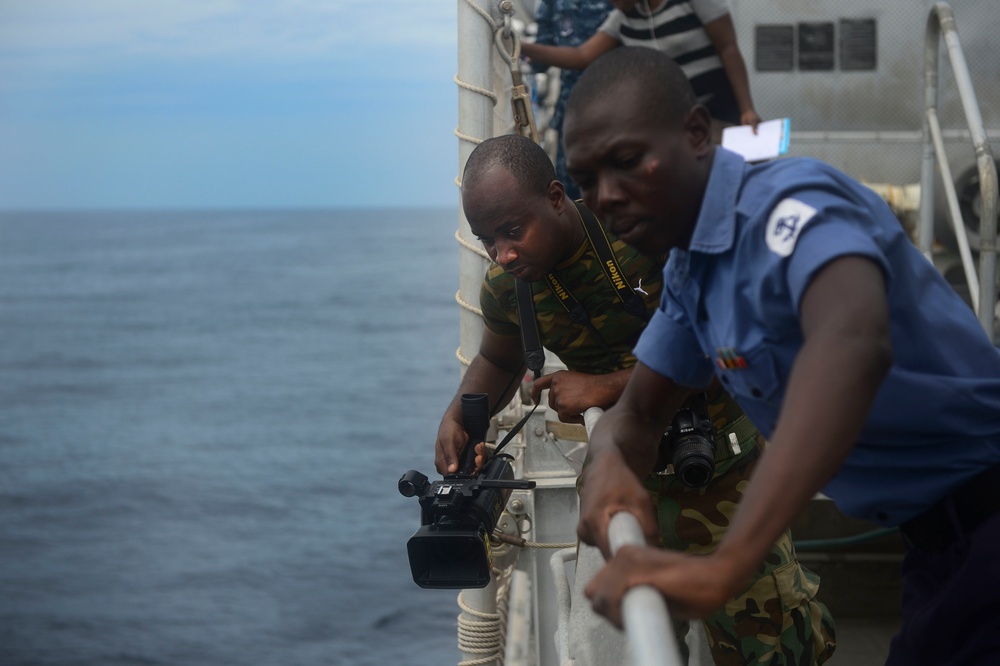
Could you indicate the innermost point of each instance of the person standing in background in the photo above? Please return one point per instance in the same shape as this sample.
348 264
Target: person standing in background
566 23
697 34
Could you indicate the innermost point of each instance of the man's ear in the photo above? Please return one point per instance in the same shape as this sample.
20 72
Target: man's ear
698 128
556 194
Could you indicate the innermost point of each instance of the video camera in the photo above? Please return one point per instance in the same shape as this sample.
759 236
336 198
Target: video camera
689 444
459 513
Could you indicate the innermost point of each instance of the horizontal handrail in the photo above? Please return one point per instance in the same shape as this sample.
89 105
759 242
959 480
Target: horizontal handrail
644 612
647 622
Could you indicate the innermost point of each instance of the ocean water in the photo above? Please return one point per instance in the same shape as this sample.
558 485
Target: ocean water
203 416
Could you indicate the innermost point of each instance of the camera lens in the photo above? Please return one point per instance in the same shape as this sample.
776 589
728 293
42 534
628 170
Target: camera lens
455 551
450 558
694 461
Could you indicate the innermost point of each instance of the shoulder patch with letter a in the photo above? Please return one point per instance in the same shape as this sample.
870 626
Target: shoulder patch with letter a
785 224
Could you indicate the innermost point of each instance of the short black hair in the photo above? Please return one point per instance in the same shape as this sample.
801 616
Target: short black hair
524 159
663 87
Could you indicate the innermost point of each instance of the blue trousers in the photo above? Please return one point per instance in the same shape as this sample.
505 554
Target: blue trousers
951 601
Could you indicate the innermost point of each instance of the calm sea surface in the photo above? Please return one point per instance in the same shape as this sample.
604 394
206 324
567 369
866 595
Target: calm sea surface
203 417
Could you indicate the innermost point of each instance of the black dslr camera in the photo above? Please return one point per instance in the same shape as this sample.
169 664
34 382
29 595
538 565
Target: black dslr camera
458 514
689 443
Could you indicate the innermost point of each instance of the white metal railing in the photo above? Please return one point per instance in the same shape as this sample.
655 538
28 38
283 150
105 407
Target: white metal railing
475 119
941 23
558 562
647 623
517 651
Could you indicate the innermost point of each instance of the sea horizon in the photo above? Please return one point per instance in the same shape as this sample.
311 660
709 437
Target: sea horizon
202 424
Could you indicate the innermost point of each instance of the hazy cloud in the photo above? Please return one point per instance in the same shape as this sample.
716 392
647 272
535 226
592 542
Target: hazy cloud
194 28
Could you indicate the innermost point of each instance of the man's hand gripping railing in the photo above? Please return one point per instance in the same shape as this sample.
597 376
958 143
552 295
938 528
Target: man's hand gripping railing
644 611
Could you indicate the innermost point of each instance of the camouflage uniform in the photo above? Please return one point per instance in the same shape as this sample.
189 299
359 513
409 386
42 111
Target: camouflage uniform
777 619
567 23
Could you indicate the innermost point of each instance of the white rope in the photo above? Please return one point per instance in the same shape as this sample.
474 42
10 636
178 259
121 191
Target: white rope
478 249
482 633
485 92
535 544
520 543
487 635
482 12
467 305
465 137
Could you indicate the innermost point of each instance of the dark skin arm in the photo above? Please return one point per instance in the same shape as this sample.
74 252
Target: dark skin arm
499 358
570 393
570 57
573 393
845 356
721 31
723 35
623 447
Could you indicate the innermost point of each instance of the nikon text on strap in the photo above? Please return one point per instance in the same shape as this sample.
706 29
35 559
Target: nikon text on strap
626 295
602 246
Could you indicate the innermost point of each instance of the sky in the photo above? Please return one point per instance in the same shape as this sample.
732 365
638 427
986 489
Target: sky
183 104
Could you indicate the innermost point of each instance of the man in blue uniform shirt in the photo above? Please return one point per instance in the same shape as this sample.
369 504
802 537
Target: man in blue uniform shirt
797 288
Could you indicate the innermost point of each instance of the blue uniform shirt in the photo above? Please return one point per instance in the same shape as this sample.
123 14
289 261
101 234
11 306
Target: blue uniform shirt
730 306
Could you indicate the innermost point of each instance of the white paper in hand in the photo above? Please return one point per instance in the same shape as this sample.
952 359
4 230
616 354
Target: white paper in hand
771 140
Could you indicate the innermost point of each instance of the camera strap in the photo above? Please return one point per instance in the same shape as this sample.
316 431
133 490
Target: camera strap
626 295
609 264
531 342
513 431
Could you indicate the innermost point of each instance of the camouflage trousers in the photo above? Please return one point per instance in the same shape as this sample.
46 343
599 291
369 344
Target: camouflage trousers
777 620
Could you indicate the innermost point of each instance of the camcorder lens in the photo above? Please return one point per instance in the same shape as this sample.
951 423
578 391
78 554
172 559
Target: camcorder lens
449 559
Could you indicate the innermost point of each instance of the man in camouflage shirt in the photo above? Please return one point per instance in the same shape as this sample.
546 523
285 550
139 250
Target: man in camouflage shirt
535 233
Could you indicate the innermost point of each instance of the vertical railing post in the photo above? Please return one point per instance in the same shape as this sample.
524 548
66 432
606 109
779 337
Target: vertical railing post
925 232
475 122
941 24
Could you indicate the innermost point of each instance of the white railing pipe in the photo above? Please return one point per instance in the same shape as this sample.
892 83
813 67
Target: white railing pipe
647 623
558 562
475 118
941 24
954 212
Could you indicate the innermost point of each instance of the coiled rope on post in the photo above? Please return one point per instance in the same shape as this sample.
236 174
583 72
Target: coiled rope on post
489 94
485 636
474 248
458 294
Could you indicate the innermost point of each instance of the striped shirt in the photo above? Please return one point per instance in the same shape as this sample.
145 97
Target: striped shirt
677 28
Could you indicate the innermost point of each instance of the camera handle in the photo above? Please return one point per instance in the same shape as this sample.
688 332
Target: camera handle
476 421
